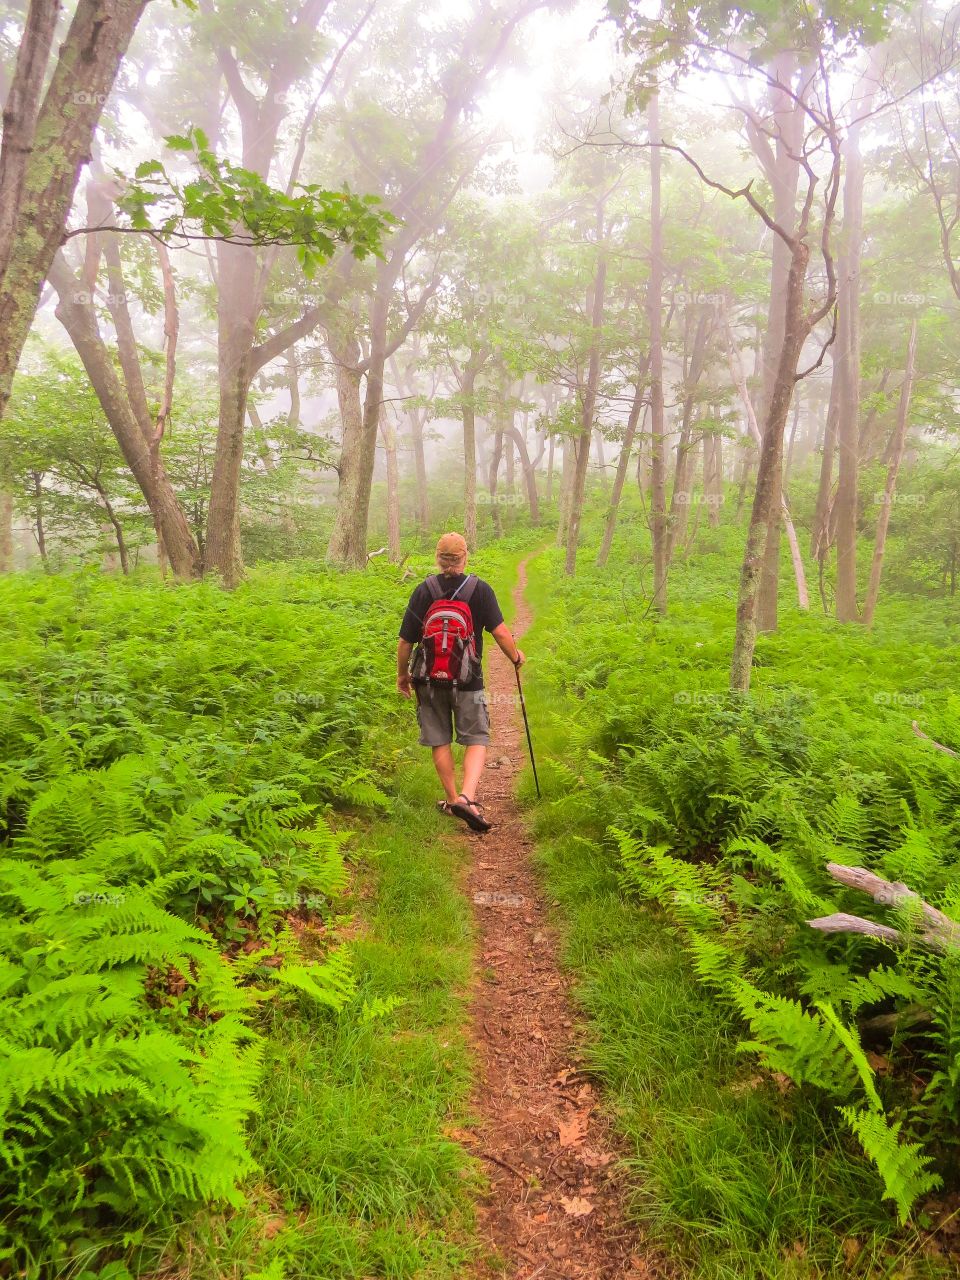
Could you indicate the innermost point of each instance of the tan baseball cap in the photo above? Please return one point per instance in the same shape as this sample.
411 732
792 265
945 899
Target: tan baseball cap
451 549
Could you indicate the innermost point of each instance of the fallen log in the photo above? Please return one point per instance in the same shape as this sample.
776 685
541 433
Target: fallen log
935 930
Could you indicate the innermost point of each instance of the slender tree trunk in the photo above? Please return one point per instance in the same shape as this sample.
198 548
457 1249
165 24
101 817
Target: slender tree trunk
794 424
117 529
736 370
769 470
783 172
420 471
6 531
683 474
514 436
893 469
495 460
389 437
38 529
549 492
713 477
848 356
468 389
601 461
636 408
595 301
236 321
658 479
819 540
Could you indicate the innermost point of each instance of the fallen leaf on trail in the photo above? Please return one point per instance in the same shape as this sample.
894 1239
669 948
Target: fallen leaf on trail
572 1131
576 1206
595 1159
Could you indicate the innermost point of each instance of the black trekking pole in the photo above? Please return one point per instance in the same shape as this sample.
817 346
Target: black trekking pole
526 725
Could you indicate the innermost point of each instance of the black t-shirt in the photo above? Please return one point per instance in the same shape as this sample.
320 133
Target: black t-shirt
483 607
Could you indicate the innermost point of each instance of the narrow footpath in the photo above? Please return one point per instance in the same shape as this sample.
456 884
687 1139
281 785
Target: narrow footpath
556 1203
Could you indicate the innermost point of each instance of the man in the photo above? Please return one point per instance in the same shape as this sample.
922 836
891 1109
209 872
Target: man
443 708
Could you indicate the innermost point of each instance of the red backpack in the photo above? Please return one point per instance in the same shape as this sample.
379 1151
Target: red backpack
447 653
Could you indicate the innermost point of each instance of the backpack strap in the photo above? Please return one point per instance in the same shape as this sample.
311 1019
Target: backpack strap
468 587
434 587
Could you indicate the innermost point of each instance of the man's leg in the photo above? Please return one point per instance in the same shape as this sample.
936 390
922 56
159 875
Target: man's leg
443 763
474 759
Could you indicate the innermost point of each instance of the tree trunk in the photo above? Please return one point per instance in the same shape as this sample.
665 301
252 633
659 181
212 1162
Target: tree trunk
682 481
619 479
595 300
236 321
783 172
658 478
893 468
389 437
6 531
713 477
549 493
529 473
819 540
76 313
38 529
848 357
420 471
768 490
348 541
37 190
495 459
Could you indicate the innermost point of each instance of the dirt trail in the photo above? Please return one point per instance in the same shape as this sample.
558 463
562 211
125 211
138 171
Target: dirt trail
555 1209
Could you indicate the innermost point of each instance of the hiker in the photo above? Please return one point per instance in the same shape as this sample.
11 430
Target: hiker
445 620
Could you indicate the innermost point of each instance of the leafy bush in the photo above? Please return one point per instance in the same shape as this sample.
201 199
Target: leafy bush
173 763
728 810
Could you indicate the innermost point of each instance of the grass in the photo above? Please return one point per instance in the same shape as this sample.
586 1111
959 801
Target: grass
730 1176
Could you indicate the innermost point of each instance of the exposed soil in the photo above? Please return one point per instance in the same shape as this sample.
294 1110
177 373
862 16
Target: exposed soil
556 1203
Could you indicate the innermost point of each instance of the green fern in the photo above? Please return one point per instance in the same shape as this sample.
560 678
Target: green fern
901 1165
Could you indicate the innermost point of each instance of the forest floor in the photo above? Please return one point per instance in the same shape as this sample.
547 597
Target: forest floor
555 1208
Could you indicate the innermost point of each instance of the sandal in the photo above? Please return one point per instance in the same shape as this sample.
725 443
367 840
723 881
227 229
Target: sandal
444 806
471 813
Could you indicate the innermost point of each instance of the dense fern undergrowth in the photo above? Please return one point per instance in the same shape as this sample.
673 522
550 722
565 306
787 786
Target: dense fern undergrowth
688 834
182 772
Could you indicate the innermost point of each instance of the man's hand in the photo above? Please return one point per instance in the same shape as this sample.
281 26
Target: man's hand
520 660
403 684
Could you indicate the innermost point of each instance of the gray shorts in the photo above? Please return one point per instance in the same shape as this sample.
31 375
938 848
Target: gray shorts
439 709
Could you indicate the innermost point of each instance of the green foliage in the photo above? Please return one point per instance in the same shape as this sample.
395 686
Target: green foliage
227 202
729 808
173 763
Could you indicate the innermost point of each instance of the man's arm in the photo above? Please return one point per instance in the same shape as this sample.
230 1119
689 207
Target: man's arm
404 650
504 638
